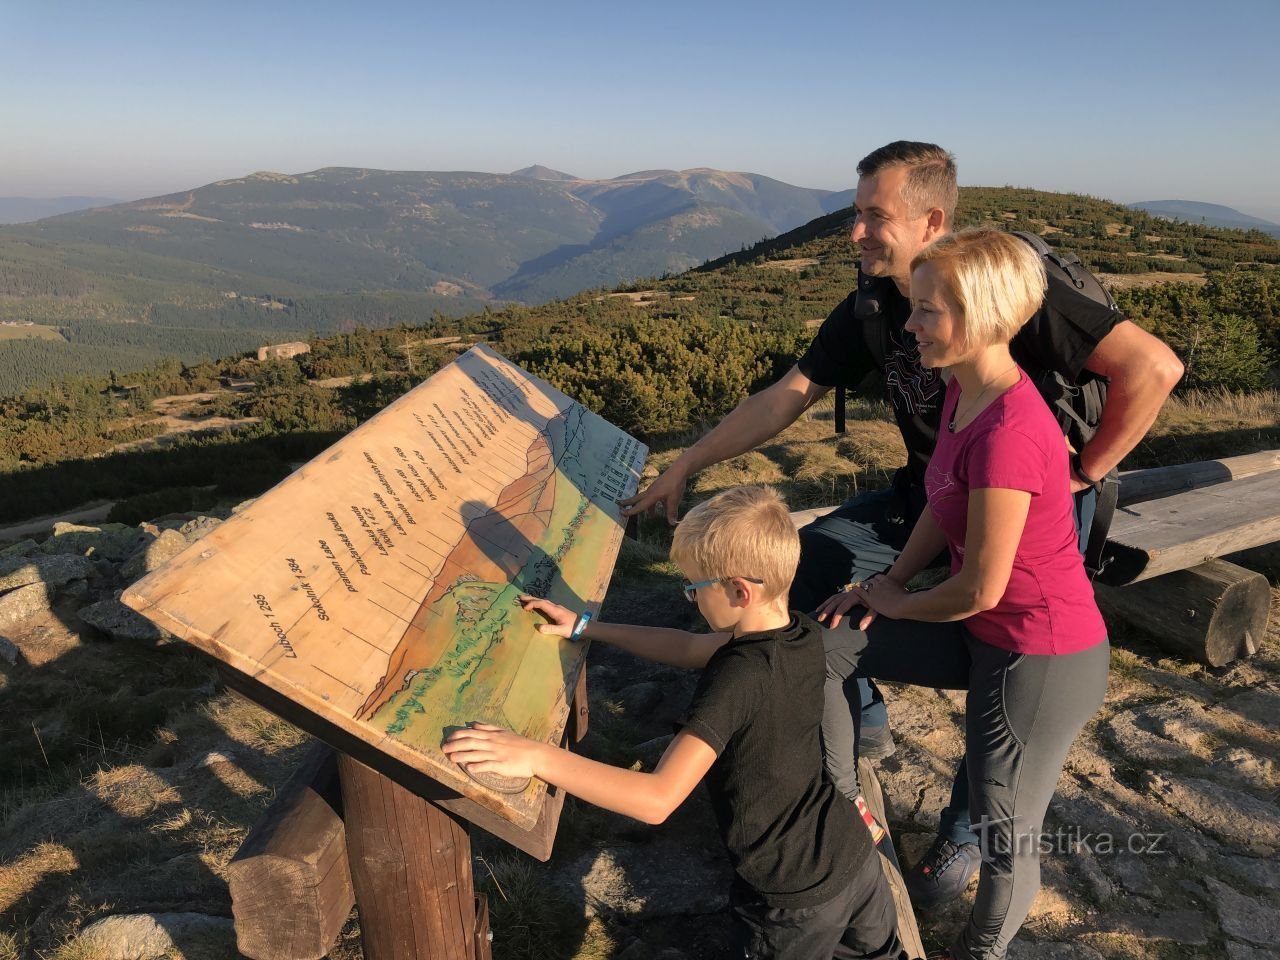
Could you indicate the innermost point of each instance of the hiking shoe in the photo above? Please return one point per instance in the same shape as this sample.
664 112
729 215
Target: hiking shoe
876 743
943 873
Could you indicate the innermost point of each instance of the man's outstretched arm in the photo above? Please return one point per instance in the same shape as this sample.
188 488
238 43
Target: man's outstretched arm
1143 371
756 419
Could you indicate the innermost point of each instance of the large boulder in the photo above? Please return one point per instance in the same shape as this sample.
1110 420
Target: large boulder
153 554
193 530
121 623
18 606
115 541
53 571
144 936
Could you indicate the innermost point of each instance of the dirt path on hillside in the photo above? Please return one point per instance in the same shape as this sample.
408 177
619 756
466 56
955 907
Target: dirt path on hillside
85 513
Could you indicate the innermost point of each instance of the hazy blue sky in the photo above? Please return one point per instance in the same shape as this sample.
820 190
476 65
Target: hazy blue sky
1128 99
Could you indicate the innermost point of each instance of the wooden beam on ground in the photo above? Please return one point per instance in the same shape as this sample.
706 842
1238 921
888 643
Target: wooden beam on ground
908 929
289 881
1186 529
1212 613
1139 486
411 869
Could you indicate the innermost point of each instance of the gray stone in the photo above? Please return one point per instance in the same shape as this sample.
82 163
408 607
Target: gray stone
1240 951
1022 950
19 549
53 571
1248 768
660 879
8 652
243 505
115 541
1245 918
1131 873
1099 886
144 936
1234 817
1178 926
640 699
1260 873
159 551
1160 732
1260 706
193 530
120 623
18 606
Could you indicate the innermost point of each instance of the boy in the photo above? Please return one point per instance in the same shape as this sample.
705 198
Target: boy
808 883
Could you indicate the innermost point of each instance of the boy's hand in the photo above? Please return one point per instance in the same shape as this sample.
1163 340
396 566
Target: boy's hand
560 620
484 748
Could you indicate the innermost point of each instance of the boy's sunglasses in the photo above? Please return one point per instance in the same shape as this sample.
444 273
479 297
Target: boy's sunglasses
691 589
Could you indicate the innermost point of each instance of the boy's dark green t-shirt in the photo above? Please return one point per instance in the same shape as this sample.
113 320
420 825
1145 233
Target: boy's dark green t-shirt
792 838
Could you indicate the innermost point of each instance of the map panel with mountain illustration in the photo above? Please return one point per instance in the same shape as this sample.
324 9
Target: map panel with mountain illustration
377 585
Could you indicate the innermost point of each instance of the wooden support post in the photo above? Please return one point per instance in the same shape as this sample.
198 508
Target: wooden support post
1213 613
289 881
908 929
411 869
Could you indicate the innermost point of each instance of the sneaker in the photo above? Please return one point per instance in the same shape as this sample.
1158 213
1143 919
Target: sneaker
943 873
876 743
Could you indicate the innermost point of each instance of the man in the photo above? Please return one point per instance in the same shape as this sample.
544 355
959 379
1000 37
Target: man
905 200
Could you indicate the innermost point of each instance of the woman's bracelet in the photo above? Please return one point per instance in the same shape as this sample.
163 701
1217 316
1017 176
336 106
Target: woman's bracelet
580 627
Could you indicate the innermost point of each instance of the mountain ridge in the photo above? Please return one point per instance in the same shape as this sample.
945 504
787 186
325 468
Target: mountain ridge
1212 214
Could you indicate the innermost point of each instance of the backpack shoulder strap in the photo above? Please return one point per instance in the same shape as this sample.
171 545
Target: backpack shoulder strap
868 313
869 310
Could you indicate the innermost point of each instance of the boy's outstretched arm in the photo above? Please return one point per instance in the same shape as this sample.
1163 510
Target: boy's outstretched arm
679 648
649 797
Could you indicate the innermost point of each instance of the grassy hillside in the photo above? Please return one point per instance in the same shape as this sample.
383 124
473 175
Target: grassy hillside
658 358
270 257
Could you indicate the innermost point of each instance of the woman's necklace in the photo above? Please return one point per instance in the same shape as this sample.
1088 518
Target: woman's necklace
955 413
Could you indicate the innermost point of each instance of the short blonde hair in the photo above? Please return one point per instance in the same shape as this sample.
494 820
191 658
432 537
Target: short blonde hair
743 532
997 280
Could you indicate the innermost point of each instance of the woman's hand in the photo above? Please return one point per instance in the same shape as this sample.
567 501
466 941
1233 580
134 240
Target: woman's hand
879 594
834 608
484 748
884 596
560 620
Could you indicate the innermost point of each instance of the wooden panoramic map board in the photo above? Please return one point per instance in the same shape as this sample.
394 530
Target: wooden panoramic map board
376 586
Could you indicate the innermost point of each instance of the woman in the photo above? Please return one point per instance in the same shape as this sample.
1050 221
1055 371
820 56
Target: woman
1015 624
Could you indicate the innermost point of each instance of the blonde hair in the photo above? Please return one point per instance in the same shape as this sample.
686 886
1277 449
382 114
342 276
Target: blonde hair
743 532
997 280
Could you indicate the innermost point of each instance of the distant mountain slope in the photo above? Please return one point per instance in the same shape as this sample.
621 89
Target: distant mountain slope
1212 214
539 172
343 229
27 209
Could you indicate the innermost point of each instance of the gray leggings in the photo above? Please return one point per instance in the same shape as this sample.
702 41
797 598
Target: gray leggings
1022 714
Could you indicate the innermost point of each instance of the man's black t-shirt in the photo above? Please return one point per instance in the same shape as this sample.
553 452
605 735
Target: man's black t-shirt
1059 337
791 837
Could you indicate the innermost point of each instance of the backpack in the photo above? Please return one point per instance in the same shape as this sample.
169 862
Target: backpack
1077 405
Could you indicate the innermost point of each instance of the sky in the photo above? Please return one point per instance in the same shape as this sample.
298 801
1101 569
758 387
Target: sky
1128 99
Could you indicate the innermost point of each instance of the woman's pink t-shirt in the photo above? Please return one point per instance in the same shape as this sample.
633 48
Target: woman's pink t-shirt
1015 443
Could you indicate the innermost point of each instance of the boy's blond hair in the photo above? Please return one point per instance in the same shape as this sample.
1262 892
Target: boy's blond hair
743 532
997 280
